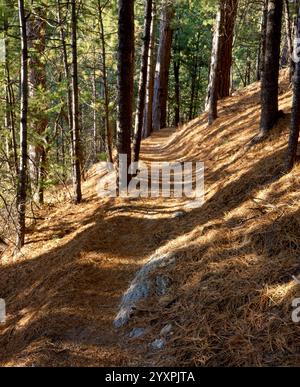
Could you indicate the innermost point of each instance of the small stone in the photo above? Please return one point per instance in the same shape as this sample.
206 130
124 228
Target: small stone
178 215
158 344
136 333
166 330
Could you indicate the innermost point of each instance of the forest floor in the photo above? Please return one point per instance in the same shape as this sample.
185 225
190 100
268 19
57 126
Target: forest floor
232 285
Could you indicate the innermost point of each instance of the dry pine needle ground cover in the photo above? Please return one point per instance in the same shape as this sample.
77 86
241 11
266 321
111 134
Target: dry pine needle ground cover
232 289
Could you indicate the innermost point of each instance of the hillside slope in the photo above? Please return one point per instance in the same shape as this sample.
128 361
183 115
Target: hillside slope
232 287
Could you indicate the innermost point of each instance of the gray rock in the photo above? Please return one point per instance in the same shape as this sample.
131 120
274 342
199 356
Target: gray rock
179 214
136 333
166 330
162 285
142 286
158 344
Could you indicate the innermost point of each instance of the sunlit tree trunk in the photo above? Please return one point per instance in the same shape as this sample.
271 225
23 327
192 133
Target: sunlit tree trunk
213 84
295 122
108 131
269 92
143 81
36 30
147 129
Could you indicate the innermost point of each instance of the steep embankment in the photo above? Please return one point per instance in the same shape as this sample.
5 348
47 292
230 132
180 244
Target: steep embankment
230 294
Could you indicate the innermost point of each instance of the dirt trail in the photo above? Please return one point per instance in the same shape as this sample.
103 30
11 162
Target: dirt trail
62 294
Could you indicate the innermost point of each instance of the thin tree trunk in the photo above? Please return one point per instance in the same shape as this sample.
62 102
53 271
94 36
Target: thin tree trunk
289 33
143 81
75 109
295 122
36 31
10 103
213 87
176 69
68 78
147 129
108 132
269 92
160 97
22 178
125 88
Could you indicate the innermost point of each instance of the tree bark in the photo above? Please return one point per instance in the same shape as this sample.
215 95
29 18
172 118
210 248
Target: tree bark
143 81
125 87
75 110
213 84
108 132
269 92
22 178
147 129
295 121
68 78
36 31
160 97
228 16
262 43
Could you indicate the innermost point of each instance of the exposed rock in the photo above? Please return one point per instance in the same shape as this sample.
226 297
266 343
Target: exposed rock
158 344
179 214
142 286
136 333
162 285
166 330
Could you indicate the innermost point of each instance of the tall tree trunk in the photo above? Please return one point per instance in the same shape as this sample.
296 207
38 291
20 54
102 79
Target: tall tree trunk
125 87
108 131
295 122
176 69
289 36
68 79
36 31
262 51
147 129
22 178
160 97
228 16
143 81
75 110
213 84
9 103
269 92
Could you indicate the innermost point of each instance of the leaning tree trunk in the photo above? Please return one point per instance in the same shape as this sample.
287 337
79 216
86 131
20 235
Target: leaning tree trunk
295 123
160 97
269 92
22 178
143 81
228 17
125 89
214 75
75 111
